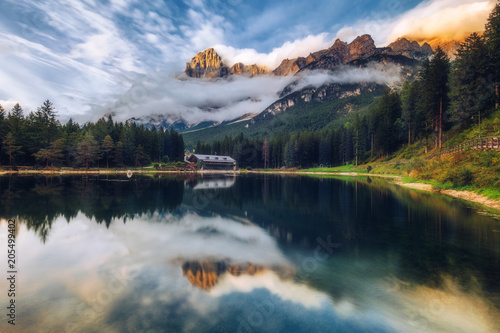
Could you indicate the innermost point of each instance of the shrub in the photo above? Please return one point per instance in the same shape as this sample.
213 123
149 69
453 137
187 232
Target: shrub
460 176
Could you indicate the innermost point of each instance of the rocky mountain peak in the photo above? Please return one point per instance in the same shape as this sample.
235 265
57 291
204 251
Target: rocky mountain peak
411 49
206 64
362 46
251 70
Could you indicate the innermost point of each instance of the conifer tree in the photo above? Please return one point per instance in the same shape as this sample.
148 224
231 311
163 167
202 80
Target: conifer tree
492 39
107 147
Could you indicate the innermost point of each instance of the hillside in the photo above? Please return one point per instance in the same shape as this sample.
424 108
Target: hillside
305 110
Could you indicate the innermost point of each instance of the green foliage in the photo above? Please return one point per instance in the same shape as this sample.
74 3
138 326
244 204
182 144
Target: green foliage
41 138
460 176
472 89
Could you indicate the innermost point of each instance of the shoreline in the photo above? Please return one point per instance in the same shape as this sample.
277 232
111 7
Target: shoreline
398 180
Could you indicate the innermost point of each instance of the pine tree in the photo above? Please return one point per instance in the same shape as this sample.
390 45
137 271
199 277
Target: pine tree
440 69
48 123
118 157
471 92
140 156
15 120
11 148
107 147
265 153
53 154
3 131
87 151
492 38
408 99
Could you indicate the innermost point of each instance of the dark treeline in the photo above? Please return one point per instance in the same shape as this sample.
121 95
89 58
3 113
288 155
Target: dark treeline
443 95
100 198
40 139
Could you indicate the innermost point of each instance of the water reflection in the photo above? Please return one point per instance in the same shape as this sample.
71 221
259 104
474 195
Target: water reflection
214 182
205 274
265 254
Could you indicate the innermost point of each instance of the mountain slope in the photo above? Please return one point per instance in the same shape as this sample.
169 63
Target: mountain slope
311 108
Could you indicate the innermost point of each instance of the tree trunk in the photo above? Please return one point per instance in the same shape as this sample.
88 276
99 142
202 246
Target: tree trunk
426 142
371 152
357 144
409 135
440 123
497 95
436 133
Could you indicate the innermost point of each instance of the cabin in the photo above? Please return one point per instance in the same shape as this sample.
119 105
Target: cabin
213 162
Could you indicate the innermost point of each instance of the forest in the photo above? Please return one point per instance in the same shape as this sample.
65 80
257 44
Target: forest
445 94
39 139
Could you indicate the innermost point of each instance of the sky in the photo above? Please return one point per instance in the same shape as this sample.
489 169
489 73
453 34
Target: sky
91 57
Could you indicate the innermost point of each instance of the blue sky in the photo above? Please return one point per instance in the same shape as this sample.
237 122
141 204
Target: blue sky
86 54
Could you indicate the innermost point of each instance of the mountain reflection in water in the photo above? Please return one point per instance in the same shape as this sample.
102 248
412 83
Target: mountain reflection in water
266 254
205 274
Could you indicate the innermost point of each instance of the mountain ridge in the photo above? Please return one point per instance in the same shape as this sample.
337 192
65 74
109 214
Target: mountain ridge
209 64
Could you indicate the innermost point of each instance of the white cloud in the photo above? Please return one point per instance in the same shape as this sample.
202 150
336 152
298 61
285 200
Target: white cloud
189 98
445 19
8 105
195 100
297 48
208 29
389 74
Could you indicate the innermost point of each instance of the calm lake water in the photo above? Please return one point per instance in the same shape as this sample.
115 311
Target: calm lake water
246 254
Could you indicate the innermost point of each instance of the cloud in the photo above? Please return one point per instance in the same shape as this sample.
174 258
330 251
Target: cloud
196 100
444 19
8 105
287 290
389 74
297 48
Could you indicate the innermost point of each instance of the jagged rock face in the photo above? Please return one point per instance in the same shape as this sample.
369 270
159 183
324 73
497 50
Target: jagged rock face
360 50
252 70
411 49
321 94
292 66
206 64
362 47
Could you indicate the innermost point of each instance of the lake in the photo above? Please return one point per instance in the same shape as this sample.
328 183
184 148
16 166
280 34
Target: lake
251 253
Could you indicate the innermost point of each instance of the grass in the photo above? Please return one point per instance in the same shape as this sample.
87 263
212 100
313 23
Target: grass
477 171
343 168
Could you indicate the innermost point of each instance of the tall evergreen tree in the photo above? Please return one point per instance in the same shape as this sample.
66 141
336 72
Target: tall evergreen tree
107 147
438 81
11 148
492 38
265 153
471 93
87 151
